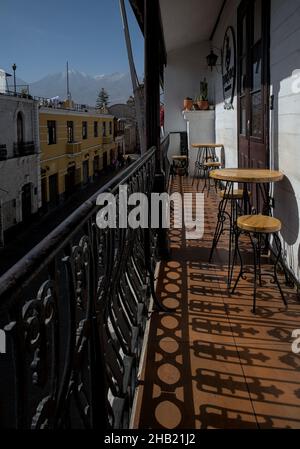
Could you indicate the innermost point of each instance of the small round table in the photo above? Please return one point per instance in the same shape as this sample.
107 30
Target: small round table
261 179
206 152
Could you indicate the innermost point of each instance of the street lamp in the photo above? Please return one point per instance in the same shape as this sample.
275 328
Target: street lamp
14 67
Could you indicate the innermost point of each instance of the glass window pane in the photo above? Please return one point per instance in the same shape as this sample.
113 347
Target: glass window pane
256 66
257 20
244 36
243 75
243 116
257 115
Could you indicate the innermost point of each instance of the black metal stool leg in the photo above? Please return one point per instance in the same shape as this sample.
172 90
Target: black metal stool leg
237 252
254 243
279 249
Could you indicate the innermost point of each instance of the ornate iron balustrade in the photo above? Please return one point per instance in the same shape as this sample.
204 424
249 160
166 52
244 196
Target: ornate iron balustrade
74 312
24 149
3 152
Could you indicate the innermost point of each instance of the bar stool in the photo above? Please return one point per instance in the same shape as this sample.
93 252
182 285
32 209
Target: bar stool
204 155
256 227
230 215
180 165
208 167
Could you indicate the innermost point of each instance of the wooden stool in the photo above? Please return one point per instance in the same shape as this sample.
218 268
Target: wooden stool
227 218
180 165
257 226
208 167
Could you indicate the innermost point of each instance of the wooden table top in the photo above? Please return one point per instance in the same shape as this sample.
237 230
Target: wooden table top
207 145
247 175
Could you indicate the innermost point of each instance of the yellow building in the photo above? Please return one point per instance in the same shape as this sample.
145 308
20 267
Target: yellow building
75 147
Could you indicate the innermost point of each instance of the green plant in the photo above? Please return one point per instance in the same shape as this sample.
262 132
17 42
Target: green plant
203 94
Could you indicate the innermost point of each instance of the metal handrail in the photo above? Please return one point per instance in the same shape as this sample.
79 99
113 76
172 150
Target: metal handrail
74 310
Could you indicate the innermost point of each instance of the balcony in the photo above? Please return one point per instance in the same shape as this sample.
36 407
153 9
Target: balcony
3 152
73 148
24 149
74 312
212 364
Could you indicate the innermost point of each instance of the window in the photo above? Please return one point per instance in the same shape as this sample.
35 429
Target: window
84 130
110 127
95 129
51 127
70 131
20 128
104 129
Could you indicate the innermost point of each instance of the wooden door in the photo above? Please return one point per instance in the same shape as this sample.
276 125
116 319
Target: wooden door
253 83
53 190
26 202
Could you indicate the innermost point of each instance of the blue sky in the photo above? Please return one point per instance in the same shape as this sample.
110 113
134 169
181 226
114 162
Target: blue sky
40 36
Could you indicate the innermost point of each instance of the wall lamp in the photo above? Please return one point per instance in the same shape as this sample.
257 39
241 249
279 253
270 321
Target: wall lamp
212 58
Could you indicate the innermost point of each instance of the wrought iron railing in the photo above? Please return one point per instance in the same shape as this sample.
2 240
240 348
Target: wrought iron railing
3 152
74 312
24 149
166 166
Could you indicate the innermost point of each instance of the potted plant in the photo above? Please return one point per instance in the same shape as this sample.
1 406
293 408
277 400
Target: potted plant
202 99
188 104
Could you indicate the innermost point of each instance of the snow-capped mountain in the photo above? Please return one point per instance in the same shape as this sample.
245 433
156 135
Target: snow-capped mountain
83 87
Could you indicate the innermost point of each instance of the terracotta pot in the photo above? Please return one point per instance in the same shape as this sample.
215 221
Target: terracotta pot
203 105
187 104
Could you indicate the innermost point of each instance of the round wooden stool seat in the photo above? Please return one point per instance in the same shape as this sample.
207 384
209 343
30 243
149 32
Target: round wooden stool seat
259 223
235 195
179 158
212 164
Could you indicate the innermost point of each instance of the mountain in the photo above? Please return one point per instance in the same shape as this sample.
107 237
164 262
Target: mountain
83 87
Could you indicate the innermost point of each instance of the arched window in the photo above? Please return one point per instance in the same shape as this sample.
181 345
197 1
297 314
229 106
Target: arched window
20 128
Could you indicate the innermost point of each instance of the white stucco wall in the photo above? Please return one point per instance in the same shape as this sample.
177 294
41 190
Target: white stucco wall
285 121
186 68
285 118
226 120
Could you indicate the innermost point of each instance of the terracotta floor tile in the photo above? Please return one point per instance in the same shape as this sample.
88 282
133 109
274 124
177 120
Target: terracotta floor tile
213 363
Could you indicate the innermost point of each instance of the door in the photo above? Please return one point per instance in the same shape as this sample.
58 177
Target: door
70 181
26 202
104 160
96 166
253 83
44 194
53 190
85 172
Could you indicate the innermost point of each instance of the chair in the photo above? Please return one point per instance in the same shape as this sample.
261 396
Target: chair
208 167
229 210
180 165
257 227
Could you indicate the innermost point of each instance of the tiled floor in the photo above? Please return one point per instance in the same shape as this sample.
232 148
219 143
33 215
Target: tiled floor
212 363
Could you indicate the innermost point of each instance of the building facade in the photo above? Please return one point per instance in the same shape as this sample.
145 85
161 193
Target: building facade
126 126
75 147
19 161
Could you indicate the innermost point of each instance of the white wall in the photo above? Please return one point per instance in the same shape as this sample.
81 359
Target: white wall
226 120
285 118
186 68
285 121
